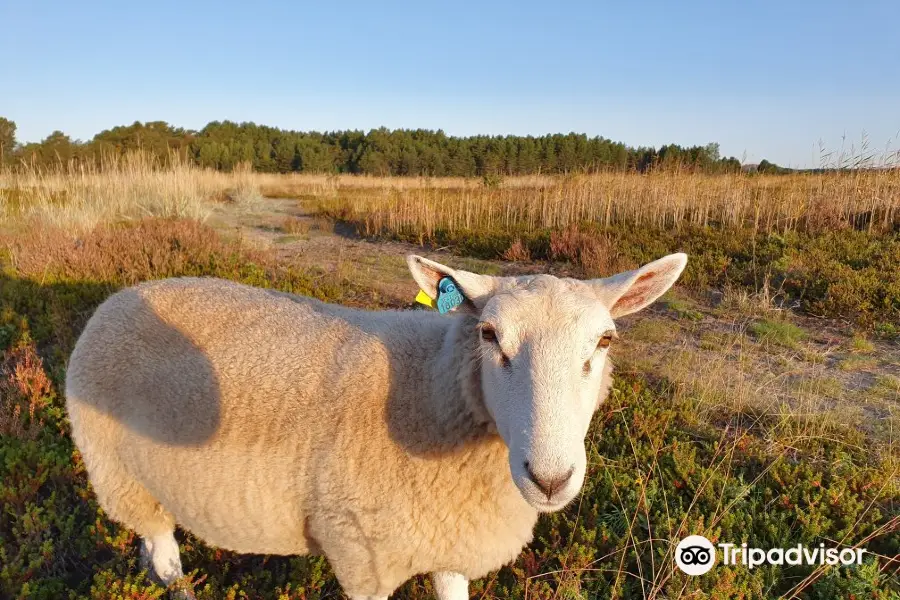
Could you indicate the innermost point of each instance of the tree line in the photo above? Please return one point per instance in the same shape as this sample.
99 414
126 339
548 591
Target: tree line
419 152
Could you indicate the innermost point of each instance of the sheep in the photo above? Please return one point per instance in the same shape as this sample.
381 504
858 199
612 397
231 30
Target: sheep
394 442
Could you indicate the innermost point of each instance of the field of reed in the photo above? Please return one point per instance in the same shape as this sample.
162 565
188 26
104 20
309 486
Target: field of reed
135 185
865 199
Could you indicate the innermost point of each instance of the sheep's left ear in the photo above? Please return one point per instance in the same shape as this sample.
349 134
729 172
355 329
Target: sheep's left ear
476 289
631 291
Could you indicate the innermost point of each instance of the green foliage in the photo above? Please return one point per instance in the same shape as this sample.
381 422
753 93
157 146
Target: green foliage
767 167
492 180
778 332
682 309
419 152
7 140
54 149
888 331
672 156
861 345
156 137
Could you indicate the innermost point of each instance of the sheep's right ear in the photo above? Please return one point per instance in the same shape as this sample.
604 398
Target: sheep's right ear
477 289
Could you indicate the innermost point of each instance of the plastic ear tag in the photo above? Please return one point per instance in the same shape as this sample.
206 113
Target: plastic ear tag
449 296
423 298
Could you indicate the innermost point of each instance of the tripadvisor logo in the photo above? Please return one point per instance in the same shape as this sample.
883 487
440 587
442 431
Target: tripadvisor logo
696 555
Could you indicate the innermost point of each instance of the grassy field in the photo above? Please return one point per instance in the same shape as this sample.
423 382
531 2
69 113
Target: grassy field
80 196
756 404
867 200
828 243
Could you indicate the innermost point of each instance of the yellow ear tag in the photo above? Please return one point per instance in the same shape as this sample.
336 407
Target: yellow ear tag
423 298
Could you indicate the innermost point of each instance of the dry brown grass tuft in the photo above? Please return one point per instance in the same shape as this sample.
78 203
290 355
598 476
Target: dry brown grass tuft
295 226
25 390
517 252
78 196
595 253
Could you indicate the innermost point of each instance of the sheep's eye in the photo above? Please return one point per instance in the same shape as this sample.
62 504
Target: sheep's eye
489 335
605 341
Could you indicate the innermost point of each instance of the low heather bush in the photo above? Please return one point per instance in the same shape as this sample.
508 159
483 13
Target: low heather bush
848 274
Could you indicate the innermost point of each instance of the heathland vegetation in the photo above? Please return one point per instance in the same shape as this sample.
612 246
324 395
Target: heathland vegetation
759 405
826 243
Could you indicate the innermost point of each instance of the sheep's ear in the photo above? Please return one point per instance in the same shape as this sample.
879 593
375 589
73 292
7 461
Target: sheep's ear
631 291
477 289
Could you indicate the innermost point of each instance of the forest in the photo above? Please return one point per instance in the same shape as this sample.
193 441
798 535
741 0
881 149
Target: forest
412 152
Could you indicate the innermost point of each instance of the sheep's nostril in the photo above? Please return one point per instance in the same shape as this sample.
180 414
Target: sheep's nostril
550 484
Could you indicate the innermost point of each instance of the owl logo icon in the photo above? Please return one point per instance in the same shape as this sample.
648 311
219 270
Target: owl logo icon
695 555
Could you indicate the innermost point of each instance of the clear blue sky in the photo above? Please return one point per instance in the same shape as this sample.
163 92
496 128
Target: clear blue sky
765 79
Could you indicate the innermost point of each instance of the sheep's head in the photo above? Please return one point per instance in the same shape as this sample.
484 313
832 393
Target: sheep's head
544 344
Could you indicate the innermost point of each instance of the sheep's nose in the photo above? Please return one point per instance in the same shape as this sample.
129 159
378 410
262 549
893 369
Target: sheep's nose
549 483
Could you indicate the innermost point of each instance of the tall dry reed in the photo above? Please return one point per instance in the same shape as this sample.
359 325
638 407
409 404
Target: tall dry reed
866 199
78 196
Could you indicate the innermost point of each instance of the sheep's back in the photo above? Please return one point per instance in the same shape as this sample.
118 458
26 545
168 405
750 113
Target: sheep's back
213 396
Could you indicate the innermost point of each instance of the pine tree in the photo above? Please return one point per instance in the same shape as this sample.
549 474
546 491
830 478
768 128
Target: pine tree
7 140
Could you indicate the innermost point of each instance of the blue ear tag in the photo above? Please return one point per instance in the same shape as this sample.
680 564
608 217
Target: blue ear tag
449 296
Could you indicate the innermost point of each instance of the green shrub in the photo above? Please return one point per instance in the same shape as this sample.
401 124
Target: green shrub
781 333
682 309
492 180
861 345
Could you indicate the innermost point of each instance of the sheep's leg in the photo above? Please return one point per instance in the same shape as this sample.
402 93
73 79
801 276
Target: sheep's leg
450 586
160 556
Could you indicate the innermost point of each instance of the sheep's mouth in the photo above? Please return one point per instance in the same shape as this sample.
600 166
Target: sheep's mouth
541 503
549 506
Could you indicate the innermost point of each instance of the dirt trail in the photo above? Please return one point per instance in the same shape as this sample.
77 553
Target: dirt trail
300 237
710 346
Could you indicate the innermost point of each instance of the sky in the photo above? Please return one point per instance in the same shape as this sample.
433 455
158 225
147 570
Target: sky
764 79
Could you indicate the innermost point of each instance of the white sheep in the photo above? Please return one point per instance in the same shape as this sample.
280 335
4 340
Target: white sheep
394 443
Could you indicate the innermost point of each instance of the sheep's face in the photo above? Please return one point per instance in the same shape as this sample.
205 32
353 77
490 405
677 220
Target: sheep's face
544 344
544 348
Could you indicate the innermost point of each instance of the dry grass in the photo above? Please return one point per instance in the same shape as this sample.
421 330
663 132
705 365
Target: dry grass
717 365
865 199
596 254
24 392
517 252
79 196
295 226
